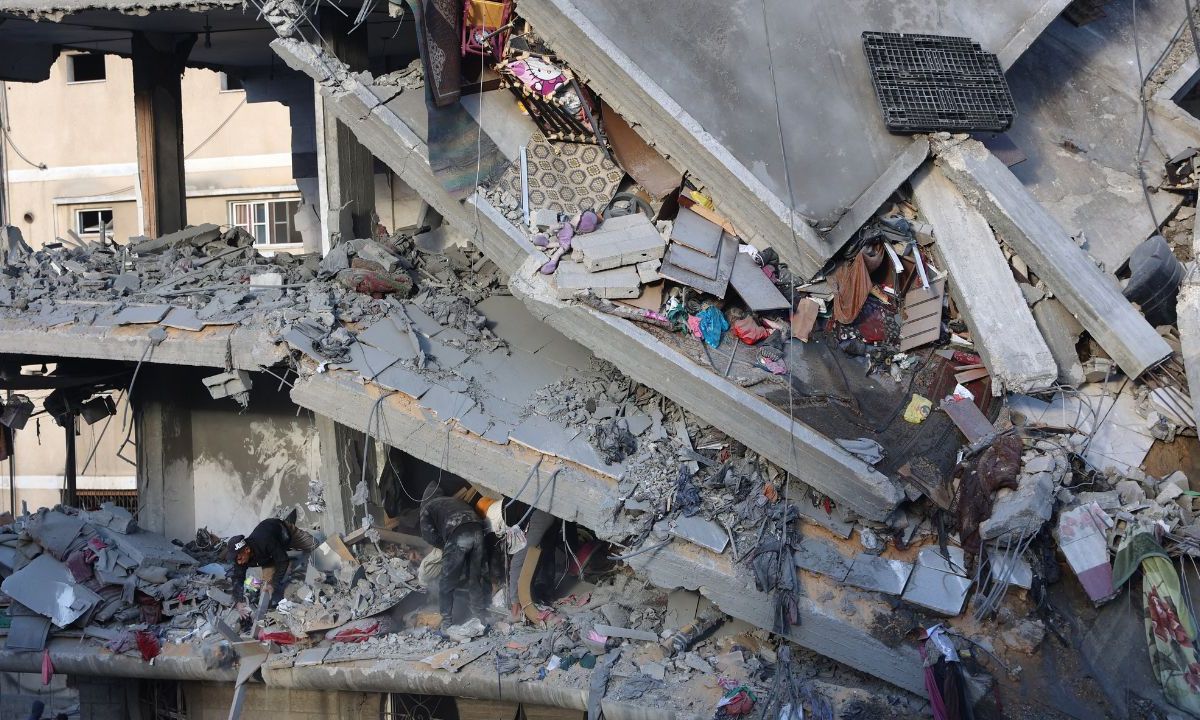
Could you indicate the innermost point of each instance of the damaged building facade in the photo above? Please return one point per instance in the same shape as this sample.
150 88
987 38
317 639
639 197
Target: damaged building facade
780 388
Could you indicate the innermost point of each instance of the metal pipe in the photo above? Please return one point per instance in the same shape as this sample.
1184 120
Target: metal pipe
70 472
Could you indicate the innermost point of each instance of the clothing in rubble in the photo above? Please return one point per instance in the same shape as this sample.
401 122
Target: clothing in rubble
268 547
453 527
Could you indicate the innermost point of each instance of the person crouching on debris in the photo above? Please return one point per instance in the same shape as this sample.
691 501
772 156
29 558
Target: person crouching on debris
452 526
267 547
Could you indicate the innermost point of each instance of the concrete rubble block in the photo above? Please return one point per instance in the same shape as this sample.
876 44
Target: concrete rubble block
939 583
629 633
648 271
55 531
373 251
145 549
1021 512
618 283
228 384
984 289
47 587
626 240
196 236
1082 537
115 518
1092 296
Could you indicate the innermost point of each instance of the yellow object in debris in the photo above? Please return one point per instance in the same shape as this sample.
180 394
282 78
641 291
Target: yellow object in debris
918 409
701 199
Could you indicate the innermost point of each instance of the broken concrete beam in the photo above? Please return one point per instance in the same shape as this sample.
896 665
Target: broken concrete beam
252 347
1061 332
1188 311
621 282
761 216
198 235
1020 220
389 135
1021 512
984 290
809 455
588 497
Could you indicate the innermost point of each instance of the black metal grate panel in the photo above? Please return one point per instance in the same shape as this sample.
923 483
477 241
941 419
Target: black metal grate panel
932 83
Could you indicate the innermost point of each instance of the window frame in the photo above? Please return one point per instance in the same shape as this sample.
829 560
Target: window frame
79 225
267 221
71 59
224 84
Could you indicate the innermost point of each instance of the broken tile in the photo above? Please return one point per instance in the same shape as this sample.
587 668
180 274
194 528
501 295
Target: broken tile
821 557
368 361
391 336
701 531
1082 537
141 314
421 321
183 319
398 377
754 287
726 257
937 584
510 321
872 572
47 587
446 404
696 233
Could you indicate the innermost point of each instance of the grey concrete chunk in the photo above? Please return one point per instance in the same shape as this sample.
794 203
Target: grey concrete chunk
54 531
630 633
228 384
871 572
1021 512
198 235
618 283
626 240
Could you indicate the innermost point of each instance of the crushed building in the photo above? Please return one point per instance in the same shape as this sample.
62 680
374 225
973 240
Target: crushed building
807 399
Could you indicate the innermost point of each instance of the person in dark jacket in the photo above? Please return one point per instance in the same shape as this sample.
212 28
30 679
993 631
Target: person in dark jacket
453 527
267 547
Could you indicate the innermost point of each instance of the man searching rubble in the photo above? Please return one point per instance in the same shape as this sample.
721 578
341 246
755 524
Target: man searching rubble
267 547
452 526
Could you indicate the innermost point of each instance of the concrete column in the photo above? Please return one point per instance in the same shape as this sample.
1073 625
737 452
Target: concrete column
341 469
345 168
163 430
158 62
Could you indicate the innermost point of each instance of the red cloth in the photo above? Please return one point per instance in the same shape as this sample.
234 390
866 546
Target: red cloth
853 281
147 644
47 668
749 331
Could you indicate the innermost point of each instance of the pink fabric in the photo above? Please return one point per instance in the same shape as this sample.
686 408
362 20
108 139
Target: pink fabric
694 326
937 705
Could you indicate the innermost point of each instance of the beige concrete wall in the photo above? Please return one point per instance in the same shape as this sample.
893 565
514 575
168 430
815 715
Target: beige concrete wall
84 134
40 458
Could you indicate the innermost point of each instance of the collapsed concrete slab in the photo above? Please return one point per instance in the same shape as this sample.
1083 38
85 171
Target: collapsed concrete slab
783 168
1092 296
387 129
1001 325
589 498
